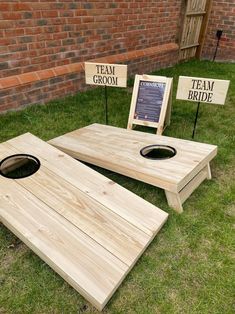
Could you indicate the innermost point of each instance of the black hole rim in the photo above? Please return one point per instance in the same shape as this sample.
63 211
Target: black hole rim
158 146
27 156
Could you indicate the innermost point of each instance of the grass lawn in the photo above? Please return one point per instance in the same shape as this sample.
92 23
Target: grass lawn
189 266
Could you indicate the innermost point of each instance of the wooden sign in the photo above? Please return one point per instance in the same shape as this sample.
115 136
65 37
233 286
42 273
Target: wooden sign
151 102
206 90
106 74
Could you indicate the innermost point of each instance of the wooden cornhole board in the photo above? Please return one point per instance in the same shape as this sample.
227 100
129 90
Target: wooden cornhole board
119 150
89 229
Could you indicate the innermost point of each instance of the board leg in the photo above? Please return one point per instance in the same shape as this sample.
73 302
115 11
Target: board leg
174 201
208 171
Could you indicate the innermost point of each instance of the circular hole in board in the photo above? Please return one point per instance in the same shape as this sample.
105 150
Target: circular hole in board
19 166
158 152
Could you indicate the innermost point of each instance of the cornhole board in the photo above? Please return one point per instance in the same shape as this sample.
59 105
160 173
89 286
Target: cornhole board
86 227
119 150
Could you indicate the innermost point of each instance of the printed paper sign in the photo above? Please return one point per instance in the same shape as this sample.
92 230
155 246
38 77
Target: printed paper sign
151 102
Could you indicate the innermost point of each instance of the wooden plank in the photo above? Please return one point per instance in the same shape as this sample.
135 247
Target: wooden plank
143 123
96 143
167 101
119 200
63 214
169 107
77 258
194 13
204 27
193 184
10 165
115 234
189 46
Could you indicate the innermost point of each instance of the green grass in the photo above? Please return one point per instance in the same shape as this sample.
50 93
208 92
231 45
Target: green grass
189 267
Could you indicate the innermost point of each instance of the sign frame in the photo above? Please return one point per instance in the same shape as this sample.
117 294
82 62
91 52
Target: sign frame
195 88
106 74
165 112
201 89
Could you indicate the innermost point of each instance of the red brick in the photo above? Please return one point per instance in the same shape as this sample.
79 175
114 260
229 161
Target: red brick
53 13
76 67
41 6
9 82
28 78
81 12
45 74
21 6
11 15
87 19
5 24
33 30
39 60
5 6
61 70
7 41
60 35
14 32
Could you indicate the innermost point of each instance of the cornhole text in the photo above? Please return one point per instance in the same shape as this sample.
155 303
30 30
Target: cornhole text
101 77
201 91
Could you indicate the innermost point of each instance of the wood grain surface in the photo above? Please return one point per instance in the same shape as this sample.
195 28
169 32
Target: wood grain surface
118 150
87 228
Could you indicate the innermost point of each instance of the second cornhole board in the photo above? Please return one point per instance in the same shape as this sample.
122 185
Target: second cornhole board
89 229
119 150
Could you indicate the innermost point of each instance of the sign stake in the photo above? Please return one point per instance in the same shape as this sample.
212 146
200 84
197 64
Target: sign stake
195 122
199 89
106 104
106 74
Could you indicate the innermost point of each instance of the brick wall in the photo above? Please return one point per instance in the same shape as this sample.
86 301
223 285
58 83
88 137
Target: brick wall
222 17
43 39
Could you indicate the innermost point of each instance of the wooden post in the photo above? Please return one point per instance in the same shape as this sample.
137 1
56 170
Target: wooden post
204 27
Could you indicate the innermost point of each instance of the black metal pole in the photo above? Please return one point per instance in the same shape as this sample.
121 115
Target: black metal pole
106 104
195 121
218 35
217 45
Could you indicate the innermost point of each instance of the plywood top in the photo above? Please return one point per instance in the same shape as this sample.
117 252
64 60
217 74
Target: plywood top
119 150
86 227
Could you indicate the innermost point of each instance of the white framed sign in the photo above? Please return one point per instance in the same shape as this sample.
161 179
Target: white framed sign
106 74
211 91
151 102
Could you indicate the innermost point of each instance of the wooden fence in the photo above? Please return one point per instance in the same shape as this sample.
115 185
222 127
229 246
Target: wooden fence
194 28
